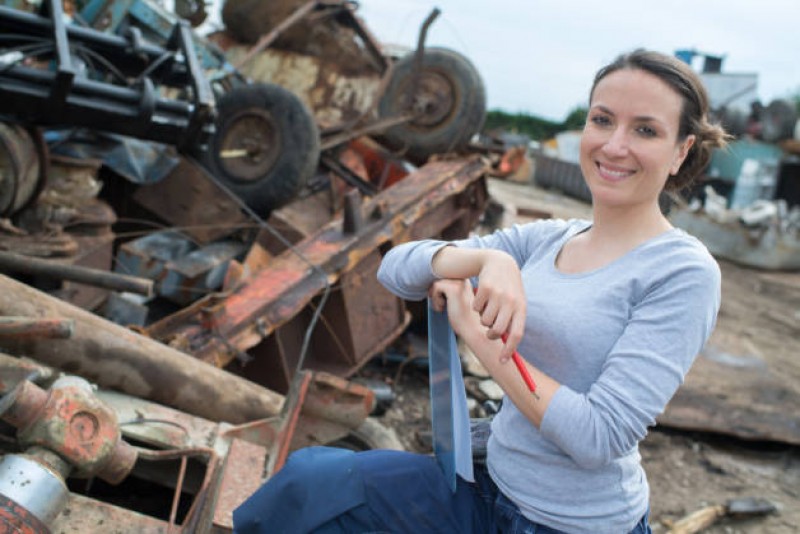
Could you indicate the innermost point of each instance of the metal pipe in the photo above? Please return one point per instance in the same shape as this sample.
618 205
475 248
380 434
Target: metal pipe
115 48
10 262
27 327
423 35
117 358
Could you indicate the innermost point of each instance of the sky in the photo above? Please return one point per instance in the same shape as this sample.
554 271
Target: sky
539 56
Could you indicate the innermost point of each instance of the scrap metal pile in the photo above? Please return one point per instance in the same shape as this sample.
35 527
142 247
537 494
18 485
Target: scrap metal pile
190 234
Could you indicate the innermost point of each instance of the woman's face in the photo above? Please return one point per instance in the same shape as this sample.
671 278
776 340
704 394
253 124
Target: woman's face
630 142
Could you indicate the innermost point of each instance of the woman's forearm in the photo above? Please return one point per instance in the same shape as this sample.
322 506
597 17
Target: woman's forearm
460 263
508 377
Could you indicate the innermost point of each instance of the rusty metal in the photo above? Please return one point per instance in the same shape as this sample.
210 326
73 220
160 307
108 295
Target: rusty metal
192 203
16 519
23 167
212 466
10 262
377 126
443 198
95 251
348 175
69 420
353 217
242 476
115 357
14 370
232 459
419 52
27 327
290 415
270 37
86 515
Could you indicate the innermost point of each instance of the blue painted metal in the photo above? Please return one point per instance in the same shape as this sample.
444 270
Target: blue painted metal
199 272
449 415
138 161
148 256
157 25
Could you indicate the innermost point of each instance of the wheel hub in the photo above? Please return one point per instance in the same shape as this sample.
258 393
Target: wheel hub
249 146
434 100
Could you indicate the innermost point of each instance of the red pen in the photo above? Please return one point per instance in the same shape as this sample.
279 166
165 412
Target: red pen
523 371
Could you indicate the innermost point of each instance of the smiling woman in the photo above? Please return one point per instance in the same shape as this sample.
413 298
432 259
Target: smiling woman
608 315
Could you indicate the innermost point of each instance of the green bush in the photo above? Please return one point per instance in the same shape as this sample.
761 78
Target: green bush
536 128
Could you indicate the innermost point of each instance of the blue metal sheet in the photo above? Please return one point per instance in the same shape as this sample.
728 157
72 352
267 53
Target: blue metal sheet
449 414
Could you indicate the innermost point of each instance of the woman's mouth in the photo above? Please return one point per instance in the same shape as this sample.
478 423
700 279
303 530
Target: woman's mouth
613 174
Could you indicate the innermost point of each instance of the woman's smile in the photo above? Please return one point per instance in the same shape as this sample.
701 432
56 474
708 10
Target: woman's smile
613 173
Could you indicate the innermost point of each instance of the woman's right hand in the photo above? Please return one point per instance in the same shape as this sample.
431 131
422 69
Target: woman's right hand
500 300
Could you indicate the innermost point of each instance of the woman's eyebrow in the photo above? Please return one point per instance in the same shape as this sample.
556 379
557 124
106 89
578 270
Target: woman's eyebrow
638 118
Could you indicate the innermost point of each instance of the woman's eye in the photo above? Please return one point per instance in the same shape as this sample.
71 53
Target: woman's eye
646 131
600 120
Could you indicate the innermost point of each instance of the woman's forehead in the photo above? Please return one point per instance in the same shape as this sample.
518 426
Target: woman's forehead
638 93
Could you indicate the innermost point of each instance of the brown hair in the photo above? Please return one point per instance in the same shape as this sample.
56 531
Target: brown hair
694 113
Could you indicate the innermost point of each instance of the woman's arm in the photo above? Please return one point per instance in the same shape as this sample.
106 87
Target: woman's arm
500 300
456 297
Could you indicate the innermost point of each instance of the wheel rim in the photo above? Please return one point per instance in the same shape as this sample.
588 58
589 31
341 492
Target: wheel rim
434 101
249 146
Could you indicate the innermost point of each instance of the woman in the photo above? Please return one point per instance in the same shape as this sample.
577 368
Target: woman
609 315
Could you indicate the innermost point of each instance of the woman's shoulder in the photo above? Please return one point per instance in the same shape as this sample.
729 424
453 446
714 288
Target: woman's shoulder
680 253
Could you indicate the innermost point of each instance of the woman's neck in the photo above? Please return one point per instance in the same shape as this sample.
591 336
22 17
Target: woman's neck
628 226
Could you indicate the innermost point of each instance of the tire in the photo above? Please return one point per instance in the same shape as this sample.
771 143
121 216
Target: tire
451 99
370 435
265 146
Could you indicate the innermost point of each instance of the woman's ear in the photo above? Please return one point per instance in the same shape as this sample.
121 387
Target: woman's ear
680 157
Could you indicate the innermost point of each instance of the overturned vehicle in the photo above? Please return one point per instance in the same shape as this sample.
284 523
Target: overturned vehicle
189 245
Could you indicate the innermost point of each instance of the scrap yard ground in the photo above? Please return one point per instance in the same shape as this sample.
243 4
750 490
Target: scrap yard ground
758 329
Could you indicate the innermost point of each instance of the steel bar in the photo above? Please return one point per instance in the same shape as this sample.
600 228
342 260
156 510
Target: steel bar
115 48
117 358
10 262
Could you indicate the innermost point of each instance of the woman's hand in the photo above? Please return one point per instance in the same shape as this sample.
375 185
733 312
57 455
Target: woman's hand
455 297
500 300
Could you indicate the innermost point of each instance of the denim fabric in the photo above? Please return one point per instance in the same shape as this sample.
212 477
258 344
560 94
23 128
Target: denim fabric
333 491
507 519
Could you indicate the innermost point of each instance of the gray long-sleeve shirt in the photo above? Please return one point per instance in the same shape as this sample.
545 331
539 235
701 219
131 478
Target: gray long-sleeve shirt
619 340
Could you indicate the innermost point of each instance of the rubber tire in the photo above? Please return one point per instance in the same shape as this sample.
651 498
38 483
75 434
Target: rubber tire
465 117
297 135
372 434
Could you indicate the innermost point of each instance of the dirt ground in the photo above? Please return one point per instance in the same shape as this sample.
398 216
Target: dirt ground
687 470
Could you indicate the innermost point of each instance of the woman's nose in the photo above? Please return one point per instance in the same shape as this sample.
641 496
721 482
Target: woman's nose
617 143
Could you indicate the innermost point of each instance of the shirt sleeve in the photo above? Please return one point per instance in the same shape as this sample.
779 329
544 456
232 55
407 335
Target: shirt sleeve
666 330
406 269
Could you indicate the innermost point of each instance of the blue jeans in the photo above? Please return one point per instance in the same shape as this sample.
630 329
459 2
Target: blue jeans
333 491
